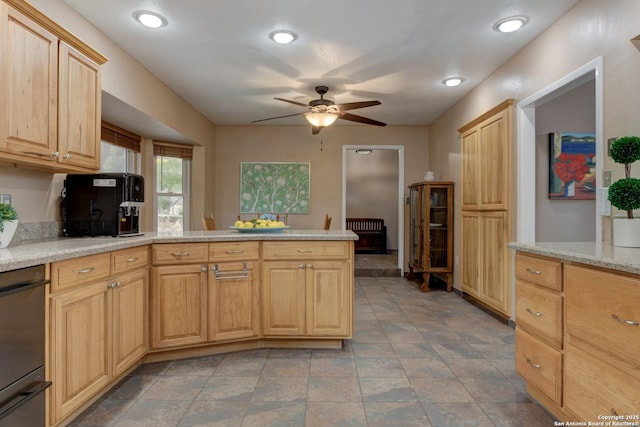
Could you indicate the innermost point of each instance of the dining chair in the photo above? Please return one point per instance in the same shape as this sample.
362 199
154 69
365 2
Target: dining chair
209 222
327 222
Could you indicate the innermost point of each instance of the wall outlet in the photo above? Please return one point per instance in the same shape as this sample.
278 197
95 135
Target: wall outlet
5 199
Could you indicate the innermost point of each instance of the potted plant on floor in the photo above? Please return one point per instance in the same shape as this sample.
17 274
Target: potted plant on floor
624 194
8 224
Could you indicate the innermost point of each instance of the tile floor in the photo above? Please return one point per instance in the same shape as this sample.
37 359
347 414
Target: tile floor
416 359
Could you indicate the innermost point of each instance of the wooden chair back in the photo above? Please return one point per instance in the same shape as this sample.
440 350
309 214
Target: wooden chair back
327 222
209 222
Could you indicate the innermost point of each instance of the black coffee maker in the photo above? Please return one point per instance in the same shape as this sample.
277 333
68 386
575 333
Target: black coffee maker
105 204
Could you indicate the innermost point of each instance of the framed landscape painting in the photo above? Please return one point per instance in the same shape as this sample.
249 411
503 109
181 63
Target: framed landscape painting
572 166
275 187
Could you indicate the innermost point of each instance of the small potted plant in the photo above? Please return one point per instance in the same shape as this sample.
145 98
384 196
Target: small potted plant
8 224
624 194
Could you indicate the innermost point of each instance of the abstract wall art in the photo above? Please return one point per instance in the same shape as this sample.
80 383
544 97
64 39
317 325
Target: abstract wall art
572 166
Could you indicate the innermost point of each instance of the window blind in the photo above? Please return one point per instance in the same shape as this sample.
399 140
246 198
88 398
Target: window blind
122 138
169 149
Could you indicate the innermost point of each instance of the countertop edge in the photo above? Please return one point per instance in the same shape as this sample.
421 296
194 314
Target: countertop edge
590 253
42 252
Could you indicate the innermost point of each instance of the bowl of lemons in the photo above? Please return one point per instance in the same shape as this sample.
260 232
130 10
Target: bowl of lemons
260 225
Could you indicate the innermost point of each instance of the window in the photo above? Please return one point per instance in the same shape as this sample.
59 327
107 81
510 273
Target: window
172 186
119 150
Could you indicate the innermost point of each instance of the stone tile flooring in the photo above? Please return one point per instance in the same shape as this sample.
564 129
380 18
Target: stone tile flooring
416 359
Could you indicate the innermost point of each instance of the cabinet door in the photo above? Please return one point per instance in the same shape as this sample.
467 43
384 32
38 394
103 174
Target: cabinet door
283 298
233 301
470 170
328 310
79 365
416 244
471 252
79 109
494 154
28 93
496 285
178 305
129 342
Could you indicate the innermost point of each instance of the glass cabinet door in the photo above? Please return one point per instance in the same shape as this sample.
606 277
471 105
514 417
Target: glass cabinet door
415 231
439 227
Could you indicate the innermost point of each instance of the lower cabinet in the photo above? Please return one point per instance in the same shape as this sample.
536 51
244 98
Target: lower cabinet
306 298
97 331
178 305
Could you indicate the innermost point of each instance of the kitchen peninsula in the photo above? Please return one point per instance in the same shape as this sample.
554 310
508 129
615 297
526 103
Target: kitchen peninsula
114 303
578 328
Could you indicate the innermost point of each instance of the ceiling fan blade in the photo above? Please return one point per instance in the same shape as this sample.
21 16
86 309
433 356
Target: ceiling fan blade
354 105
279 117
360 119
292 102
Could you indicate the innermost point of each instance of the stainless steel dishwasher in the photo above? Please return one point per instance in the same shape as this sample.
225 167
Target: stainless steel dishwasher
22 335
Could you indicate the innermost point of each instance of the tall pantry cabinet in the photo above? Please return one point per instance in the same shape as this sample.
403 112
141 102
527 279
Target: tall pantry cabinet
487 207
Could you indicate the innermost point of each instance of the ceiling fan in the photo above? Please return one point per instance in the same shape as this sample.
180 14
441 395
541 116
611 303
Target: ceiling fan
323 112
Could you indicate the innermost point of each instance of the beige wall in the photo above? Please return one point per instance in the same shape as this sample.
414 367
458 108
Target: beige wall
235 144
592 28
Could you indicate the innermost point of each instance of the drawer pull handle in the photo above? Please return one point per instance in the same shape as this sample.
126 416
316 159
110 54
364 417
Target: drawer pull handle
535 365
180 254
132 259
534 271
236 251
86 270
534 313
626 322
306 251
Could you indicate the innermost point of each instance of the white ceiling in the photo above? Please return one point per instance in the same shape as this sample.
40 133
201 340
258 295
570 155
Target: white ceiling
217 56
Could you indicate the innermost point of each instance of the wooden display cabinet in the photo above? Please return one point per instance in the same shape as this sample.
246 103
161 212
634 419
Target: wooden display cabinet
431 231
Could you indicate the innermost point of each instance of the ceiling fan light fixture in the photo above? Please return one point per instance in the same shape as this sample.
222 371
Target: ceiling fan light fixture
510 24
283 36
364 151
320 119
150 19
453 81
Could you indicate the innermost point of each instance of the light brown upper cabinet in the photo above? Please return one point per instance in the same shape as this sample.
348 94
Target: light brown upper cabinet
50 94
486 159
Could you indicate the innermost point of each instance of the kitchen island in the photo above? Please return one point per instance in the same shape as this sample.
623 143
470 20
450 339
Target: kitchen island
114 303
578 329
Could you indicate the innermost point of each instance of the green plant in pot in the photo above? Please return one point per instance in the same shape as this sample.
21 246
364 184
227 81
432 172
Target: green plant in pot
8 224
624 194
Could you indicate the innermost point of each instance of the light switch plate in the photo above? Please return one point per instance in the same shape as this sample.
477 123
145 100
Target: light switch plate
607 178
5 199
602 200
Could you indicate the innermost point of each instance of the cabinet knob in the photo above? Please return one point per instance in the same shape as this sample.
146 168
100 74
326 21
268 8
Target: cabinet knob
309 266
112 285
204 269
55 155
67 156
301 266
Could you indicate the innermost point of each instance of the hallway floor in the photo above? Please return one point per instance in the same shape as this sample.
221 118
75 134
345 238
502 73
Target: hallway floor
416 359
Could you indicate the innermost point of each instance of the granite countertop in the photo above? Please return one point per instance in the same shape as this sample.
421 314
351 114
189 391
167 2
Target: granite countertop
591 253
41 252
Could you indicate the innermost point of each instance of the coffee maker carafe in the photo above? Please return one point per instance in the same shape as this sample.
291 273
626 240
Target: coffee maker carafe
106 204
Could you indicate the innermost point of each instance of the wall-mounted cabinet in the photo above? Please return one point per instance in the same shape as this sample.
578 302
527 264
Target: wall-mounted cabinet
431 231
50 96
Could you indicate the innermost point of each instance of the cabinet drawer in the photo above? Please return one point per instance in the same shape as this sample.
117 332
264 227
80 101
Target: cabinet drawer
539 311
233 251
596 387
180 253
602 308
540 365
76 271
129 259
544 272
305 250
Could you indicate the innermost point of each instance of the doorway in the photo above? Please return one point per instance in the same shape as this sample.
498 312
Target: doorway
526 145
349 150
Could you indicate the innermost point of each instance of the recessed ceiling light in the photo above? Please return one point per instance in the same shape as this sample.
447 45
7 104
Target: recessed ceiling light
283 36
511 24
453 81
364 151
150 19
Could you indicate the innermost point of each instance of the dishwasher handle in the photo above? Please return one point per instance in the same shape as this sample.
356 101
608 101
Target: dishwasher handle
8 290
23 397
